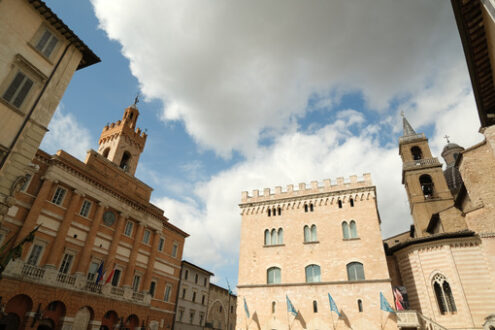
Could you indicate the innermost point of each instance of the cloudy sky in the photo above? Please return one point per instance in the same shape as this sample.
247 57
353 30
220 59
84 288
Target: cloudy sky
239 96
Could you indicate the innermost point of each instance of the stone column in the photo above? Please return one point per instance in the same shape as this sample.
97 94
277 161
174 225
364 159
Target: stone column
132 258
82 264
34 212
57 249
151 261
115 241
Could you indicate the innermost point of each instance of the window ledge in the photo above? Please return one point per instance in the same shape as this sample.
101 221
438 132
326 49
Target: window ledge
351 239
273 245
311 242
12 107
57 205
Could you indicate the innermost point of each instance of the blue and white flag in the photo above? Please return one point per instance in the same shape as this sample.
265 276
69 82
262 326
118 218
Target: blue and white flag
384 305
246 308
333 305
290 307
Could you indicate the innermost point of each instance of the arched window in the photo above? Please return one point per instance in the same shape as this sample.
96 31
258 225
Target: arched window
274 237
280 236
274 211
443 293
351 201
345 230
305 207
355 271
311 207
124 163
268 240
273 307
307 234
273 275
426 185
279 211
353 228
360 305
315 306
313 233
269 212
340 204
106 152
313 274
416 153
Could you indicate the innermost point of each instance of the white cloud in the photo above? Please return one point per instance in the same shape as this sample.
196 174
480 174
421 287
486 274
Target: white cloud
231 69
66 133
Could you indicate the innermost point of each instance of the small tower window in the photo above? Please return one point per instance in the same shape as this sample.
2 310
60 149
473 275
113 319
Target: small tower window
124 163
311 208
269 212
106 152
360 305
426 185
351 201
273 307
132 114
416 153
305 207
279 211
274 211
315 306
443 293
340 204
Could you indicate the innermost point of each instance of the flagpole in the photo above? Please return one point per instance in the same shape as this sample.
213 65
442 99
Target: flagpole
288 321
333 323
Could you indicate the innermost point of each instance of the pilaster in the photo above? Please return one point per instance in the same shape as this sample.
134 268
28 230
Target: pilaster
83 262
115 241
151 261
132 258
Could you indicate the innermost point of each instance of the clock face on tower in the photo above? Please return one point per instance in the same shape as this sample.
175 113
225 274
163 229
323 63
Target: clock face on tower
108 218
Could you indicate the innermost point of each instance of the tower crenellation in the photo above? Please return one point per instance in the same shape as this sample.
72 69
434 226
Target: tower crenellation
314 187
122 142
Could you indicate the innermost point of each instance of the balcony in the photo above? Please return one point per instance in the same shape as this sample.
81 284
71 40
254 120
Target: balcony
50 276
421 163
413 319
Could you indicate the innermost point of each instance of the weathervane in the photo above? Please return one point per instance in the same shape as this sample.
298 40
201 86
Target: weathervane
136 99
447 138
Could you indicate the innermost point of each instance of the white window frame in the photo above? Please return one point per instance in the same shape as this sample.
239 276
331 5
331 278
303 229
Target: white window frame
146 236
84 203
43 246
161 243
169 288
120 269
54 200
26 184
135 287
129 224
175 250
154 280
95 274
73 257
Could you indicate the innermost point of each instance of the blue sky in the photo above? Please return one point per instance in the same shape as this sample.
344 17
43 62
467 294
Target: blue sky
242 96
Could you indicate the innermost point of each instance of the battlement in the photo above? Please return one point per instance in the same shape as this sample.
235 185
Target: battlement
118 125
341 184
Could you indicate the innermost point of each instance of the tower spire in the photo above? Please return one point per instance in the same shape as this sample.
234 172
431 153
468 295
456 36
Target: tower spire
408 130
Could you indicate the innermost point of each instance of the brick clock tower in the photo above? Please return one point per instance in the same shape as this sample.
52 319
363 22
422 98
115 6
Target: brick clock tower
121 142
423 178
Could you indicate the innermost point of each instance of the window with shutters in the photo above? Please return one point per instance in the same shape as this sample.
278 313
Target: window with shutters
128 228
45 42
18 89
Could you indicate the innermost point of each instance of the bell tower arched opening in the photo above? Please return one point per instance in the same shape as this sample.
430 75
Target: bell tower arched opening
416 153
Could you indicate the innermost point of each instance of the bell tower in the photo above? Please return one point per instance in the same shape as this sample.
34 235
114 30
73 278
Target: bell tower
121 142
423 178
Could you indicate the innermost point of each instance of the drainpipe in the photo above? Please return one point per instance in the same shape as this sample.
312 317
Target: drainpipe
26 119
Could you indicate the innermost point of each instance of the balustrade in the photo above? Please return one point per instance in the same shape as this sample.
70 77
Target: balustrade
32 271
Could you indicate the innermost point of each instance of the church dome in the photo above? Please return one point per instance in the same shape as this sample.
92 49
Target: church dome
450 153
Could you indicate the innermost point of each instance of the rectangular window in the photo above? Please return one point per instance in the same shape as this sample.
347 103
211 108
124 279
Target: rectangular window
18 89
66 263
136 282
175 247
161 243
93 269
191 316
194 297
86 206
184 293
168 290
46 44
28 181
128 228
203 300
204 281
152 288
116 277
196 279
35 255
181 313
59 195
201 317
146 236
